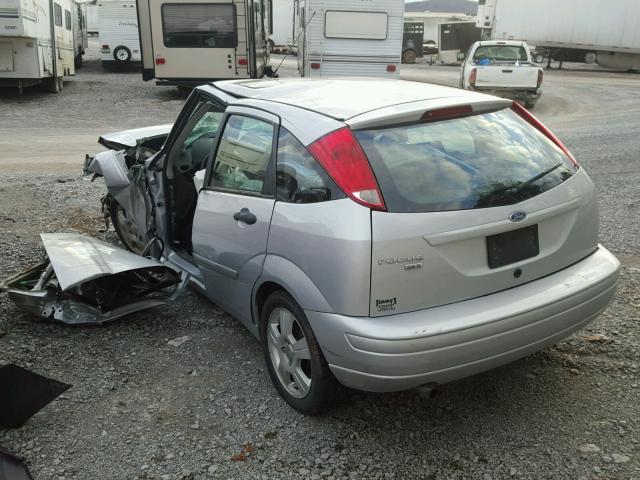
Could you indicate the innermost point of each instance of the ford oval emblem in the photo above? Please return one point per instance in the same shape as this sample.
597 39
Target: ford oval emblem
517 216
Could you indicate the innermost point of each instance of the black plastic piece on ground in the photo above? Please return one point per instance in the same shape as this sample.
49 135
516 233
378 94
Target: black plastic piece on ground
24 393
12 468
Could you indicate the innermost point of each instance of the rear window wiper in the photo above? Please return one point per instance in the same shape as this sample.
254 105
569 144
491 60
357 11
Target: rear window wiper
522 185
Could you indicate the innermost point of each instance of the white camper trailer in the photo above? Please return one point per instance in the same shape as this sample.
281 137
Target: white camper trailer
36 42
281 37
80 32
203 40
118 32
92 17
350 37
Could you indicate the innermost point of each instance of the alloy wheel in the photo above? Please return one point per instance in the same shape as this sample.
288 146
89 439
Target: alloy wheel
289 352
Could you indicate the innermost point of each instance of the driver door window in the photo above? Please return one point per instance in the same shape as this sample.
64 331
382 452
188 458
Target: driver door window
244 154
197 139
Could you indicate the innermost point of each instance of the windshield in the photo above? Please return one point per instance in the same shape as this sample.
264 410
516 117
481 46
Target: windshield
477 161
500 53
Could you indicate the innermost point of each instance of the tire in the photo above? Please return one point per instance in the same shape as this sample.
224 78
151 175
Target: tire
315 388
122 54
538 58
127 233
409 56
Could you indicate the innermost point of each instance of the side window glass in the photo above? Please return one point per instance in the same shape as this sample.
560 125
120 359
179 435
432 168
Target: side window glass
299 178
244 153
191 154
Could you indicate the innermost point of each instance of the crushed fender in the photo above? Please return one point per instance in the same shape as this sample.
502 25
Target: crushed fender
87 281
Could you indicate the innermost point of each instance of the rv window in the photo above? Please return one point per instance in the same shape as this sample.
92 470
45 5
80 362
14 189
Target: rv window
67 19
362 25
199 25
57 13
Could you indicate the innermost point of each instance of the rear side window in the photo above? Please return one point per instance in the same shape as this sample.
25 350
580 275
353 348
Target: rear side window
67 19
57 15
199 25
500 53
299 178
477 161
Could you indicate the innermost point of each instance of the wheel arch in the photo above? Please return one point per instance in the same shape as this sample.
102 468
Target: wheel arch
281 274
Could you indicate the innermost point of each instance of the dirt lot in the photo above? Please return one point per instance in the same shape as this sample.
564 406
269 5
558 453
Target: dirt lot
143 409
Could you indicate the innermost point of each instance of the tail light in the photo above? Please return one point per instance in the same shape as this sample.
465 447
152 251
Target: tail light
540 74
447 112
528 116
343 159
315 66
242 61
472 77
160 61
391 68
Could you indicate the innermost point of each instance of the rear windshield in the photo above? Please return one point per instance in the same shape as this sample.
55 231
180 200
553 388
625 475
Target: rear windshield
500 53
478 161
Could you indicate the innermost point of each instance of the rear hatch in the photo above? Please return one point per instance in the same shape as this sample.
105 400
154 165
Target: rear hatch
475 204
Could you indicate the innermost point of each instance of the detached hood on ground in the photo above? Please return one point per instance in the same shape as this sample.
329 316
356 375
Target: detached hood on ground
87 281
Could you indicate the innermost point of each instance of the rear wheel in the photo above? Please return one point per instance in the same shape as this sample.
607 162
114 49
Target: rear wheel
294 359
409 56
126 228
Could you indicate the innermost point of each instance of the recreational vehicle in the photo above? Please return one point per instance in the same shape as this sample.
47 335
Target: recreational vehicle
281 20
349 37
203 40
118 32
36 42
80 32
92 17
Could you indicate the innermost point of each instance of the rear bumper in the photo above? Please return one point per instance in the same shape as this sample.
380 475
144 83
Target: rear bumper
442 344
524 95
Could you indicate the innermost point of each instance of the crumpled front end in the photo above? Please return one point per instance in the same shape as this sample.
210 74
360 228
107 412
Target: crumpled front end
86 281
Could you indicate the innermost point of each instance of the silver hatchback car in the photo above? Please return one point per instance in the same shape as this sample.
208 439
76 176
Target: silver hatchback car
384 235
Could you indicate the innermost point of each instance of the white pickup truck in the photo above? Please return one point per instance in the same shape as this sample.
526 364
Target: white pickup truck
503 68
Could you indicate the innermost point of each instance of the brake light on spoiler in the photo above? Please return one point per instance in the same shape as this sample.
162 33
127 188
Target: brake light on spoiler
533 121
345 162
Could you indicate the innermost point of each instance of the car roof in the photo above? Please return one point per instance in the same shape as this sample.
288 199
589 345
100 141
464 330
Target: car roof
339 98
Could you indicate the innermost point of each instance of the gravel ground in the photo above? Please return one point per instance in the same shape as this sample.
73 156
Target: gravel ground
141 408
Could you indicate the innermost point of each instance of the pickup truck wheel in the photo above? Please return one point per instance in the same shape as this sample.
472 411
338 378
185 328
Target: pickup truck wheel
409 56
125 228
294 359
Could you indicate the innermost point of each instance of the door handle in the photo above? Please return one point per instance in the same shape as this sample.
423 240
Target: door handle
245 216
